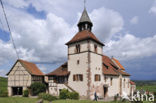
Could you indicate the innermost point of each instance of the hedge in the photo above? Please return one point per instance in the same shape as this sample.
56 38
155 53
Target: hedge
47 97
65 94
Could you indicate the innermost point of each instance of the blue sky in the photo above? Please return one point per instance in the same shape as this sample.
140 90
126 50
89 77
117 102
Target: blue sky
40 29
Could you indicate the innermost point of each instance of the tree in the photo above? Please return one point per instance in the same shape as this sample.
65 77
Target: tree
37 88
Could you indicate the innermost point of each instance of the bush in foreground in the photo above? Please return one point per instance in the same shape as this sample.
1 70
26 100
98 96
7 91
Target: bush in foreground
25 93
47 97
74 95
65 94
37 88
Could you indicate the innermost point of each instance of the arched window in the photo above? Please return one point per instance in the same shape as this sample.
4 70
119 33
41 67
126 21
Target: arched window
78 48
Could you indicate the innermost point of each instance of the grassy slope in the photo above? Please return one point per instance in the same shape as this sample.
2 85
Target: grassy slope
3 83
146 85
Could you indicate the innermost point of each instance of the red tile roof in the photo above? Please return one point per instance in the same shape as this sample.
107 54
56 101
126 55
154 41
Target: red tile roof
132 83
30 67
61 71
83 35
109 68
118 63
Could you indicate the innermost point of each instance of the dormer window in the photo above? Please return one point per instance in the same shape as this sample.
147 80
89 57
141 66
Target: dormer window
78 48
95 48
105 65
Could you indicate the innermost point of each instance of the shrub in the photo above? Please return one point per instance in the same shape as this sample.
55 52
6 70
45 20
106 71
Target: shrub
64 94
116 97
25 93
37 88
3 93
74 95
47 97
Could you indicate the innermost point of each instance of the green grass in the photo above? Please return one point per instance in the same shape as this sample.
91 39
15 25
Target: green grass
151 88
34 100
3 83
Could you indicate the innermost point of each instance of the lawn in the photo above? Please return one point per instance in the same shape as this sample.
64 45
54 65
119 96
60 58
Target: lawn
146 85
151 88
34 100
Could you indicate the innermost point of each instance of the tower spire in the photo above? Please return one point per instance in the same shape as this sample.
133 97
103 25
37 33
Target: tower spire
85 22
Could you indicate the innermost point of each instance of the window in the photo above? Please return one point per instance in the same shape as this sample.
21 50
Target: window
78 48
78 77
95 48
97 77
78 61
111 79
105 79
124 83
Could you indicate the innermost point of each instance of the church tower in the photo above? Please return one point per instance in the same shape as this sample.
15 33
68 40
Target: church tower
84 58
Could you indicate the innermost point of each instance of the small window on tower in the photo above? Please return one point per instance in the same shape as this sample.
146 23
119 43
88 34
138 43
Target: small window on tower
111 83
78 77
78 62
95 48
78 48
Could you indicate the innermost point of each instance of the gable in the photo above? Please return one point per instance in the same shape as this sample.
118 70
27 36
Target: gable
18 69
30 67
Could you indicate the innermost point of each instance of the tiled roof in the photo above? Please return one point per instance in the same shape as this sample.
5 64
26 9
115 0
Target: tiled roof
30 67
109 68
61 71
118 63
83 35
132 83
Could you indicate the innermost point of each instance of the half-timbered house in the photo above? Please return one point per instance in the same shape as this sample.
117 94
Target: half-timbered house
22 75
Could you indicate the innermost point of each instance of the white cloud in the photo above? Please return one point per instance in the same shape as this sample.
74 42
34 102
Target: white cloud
153 8
17 3
131 47
134 20
106 23
6 52
44 39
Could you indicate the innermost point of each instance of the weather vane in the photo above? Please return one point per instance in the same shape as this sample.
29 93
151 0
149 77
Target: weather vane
84 3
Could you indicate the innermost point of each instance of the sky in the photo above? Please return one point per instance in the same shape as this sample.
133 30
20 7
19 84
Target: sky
40 29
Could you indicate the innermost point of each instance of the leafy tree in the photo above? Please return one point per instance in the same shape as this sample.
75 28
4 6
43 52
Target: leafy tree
37 88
